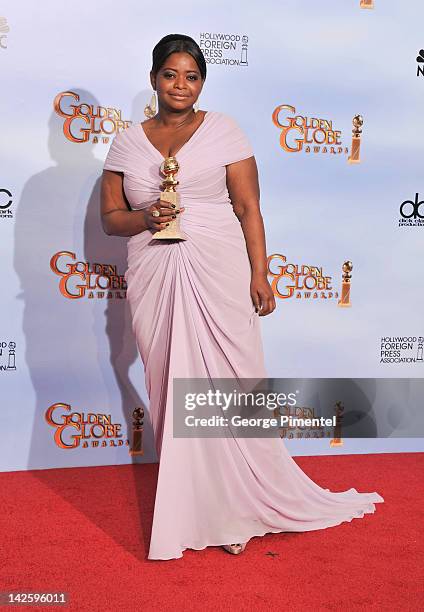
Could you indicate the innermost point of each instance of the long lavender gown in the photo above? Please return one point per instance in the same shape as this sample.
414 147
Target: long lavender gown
193 317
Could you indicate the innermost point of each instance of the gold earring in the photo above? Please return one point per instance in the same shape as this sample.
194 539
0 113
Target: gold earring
196 105
150 109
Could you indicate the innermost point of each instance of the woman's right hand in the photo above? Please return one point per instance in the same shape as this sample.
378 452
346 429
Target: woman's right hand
167 213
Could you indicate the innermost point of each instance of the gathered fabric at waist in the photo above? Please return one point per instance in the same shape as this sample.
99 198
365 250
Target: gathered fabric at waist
188 201
202 222
202 216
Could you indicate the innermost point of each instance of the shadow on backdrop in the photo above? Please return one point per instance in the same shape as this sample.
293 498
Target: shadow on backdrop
71 343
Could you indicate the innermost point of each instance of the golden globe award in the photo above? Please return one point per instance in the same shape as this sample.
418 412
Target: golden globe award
357 122
137 430
337 440
169 169
346 277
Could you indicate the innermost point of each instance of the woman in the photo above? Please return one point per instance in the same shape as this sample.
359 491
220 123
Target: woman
195 306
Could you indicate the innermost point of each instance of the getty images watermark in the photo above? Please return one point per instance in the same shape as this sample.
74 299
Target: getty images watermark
257 401
298 408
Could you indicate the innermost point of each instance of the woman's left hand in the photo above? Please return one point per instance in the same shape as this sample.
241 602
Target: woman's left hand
262 295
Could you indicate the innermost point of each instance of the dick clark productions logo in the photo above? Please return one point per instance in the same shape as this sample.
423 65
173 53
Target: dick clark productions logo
412 213
6 202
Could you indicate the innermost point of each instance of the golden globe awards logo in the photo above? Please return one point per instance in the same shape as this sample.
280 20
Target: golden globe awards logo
77 429
303 281
82 121
295 431
307 134
79 279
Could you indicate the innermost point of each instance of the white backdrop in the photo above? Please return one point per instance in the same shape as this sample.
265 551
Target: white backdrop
329 60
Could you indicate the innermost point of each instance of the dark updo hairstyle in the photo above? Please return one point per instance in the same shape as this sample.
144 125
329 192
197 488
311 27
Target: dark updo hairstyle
178 43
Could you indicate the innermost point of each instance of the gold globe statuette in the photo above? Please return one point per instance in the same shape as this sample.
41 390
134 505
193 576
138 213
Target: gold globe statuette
354 157
344 301
137 430
169 169
337 440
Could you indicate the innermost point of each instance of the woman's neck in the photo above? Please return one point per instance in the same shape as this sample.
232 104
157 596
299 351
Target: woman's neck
175 120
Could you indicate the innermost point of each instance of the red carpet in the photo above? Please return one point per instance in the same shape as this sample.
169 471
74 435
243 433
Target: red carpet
86 531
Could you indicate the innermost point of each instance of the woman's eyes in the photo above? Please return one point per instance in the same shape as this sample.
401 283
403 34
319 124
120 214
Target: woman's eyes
190 77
